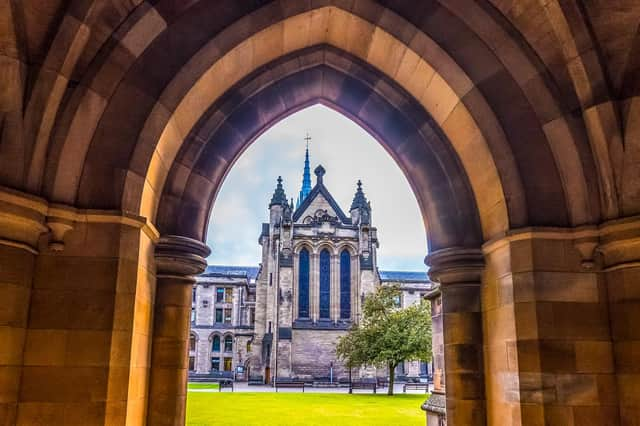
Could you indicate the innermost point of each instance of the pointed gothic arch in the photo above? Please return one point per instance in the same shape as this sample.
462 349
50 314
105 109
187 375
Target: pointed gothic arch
345 284
324 277
304 277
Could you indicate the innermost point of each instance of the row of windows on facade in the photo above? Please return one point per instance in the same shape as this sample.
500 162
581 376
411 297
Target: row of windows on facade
325 284
215 364
223 295
215 343
223 316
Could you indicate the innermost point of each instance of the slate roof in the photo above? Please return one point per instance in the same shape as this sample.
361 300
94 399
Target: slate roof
404 276
250 272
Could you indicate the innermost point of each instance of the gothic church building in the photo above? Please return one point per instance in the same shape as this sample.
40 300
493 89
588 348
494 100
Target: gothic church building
318 263
284 318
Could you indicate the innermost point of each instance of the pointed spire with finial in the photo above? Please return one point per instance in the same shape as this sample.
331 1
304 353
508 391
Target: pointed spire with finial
359 200
319 172
306 176
279 197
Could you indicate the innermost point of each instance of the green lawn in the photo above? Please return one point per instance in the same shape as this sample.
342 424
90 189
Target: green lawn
203 386
207 408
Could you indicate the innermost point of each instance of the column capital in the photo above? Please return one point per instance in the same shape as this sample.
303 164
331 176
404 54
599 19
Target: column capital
455 265
620 243
22 220
180 256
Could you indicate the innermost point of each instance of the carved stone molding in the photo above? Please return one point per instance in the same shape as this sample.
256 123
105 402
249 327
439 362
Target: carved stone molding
612 244
620 243
24 218
180 257
455 265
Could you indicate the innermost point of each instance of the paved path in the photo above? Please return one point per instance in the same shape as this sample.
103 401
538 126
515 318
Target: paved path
244 387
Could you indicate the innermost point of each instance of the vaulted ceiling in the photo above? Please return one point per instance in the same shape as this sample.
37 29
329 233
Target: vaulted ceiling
502 114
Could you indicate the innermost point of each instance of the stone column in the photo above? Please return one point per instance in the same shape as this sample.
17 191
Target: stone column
21 224
547 340
459 272
178 260
620 249
435 405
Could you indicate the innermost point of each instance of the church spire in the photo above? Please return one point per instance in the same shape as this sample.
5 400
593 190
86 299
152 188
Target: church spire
306 176
279 197
359 200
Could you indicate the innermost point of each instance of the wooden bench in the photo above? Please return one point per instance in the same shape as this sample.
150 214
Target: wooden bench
225 384
363 385
289 384
416 386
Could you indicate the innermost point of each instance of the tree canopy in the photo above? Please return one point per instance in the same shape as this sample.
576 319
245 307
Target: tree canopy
387 334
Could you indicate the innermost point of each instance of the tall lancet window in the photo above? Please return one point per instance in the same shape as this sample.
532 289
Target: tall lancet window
345 285
303 284
325 284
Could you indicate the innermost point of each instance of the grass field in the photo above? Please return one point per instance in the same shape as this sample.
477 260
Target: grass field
240 408
203 386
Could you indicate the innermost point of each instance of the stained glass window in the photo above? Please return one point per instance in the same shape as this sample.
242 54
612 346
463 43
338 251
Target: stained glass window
303 284
345 285
325 284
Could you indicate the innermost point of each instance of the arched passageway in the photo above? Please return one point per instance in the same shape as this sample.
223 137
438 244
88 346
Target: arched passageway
516 126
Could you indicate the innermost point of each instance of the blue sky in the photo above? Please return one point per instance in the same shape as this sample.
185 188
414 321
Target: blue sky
348 153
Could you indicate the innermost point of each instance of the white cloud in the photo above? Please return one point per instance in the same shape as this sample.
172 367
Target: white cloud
348 153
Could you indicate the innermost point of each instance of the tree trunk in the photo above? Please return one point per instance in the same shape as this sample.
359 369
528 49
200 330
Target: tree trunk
392 376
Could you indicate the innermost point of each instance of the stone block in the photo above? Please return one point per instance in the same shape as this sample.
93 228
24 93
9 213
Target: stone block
167 352
40 413
167 383
594 357
84 414
557 356
63 384
463 358
88 348
9 383
577 389
92 310
45 347
11 344
172 322
462 327
627 354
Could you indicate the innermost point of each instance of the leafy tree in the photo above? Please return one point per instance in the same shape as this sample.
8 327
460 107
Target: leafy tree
387 335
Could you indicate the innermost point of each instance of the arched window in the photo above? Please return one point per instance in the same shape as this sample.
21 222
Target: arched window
345 285
192 342
303 284
228 344
325 284
215 345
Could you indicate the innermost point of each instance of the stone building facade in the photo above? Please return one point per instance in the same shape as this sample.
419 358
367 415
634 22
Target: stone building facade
222 319
283 318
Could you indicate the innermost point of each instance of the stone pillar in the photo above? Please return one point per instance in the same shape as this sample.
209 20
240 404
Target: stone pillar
435 405
620 247
178 260
21 224
548 351
459 271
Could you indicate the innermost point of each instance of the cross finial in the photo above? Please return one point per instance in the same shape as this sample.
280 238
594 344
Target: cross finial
307 139
359 184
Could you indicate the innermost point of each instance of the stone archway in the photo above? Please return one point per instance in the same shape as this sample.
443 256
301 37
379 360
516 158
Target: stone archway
517 133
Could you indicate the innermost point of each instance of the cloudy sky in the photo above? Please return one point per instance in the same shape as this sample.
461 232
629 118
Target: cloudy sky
348 153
